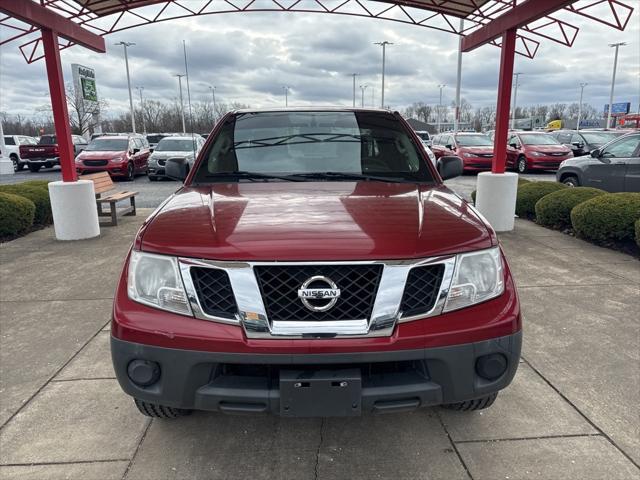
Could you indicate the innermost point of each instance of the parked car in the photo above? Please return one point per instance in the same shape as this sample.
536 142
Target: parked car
424 136
122 156
615 167
46 154
186 148
154 138
12 145
314 264
535 151
582 142
492 133
475 149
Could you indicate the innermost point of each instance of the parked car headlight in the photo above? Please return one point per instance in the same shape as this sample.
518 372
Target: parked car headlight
117 159
478 277
468 154
538 154
155 280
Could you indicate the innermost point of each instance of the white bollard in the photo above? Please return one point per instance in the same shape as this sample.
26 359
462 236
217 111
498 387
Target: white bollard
496 199
73 205
6 166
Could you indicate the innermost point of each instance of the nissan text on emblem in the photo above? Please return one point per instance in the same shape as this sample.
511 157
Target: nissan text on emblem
319 293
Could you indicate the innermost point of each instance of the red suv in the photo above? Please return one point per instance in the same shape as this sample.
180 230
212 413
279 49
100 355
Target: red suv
120 155
535 151
475 149
314 264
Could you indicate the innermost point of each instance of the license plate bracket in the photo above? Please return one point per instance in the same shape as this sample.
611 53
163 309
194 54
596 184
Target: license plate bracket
320 393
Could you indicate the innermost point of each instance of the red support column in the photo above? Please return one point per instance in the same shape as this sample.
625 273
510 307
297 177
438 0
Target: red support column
59 104
504 101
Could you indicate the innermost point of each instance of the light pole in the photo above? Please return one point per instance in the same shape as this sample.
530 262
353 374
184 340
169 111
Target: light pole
373 96
180 75
456 118
515 100
213 94
286 95
384 49
144 125
354 75
362 89
126 63
440 104
582 85
613 80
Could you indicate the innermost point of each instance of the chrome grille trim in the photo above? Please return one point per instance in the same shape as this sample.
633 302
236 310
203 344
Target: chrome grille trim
252 314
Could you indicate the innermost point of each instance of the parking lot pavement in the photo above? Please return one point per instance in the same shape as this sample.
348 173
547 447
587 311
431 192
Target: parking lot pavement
571 412
151 194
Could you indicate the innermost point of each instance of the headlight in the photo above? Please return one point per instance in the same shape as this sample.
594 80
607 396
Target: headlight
117 159
538 154
155 280
478 277
468 154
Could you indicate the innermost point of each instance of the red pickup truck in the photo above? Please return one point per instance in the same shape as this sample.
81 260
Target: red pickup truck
45 153
314 264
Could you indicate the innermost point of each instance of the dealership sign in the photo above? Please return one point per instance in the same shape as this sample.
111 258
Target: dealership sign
618 108
84 83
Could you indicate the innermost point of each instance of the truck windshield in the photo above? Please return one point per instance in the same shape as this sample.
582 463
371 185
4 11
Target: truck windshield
474 141
312 146
108 145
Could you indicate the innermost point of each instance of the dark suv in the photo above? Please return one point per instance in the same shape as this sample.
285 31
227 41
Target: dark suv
582 142
614 167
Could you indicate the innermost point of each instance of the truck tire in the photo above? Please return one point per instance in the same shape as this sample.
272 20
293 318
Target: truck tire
472 405
34 168
17 166
154 410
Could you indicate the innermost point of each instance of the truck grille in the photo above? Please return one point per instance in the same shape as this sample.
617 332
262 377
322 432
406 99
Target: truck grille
279 286
421 290
95 163
214 292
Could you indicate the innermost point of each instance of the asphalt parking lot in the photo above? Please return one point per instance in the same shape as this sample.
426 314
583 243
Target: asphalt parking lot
571 413
152 193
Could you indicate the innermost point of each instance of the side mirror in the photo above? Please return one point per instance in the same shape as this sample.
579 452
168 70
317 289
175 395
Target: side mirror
135 150
513 145
176 168
450 167
577 144
595 153
448 146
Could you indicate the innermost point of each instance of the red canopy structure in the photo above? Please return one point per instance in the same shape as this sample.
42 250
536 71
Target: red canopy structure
43 27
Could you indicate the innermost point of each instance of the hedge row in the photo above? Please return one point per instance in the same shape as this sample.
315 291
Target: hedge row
554 210
24 205
530 193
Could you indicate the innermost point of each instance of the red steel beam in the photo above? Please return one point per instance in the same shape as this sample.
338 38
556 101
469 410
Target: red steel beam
42 17
59 104
519 16
507 55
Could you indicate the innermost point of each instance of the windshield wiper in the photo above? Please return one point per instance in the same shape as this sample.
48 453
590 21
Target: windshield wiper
251 176
351 176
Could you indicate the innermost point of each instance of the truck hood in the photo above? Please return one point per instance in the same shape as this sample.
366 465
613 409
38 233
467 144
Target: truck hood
314 221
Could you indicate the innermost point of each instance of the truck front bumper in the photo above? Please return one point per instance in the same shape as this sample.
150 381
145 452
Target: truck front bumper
309 384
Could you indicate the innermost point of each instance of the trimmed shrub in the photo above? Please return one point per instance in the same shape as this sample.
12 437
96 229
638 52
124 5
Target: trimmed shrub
607 218
554 210
38 195
36 183
16 214
530 193
521 181
638 232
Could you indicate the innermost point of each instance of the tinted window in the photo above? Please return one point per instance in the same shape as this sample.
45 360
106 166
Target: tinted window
47 140
9 141
106 144
599 138
176 145
473 140
622 148
314 142
563 137
538 139
155 138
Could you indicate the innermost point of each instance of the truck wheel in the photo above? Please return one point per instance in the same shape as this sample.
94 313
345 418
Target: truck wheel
522 164
34 168
17 166
571 181
154 410
471 405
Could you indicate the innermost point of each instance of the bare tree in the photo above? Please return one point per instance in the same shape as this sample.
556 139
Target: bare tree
81 117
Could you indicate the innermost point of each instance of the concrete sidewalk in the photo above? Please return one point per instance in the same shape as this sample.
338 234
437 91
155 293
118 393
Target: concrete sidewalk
571 413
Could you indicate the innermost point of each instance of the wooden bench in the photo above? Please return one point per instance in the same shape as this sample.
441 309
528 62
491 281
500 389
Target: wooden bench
102 184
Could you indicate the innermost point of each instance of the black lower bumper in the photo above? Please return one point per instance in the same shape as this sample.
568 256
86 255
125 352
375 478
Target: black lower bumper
339 384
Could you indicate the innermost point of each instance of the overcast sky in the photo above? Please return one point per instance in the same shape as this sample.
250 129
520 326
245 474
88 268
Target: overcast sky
249 57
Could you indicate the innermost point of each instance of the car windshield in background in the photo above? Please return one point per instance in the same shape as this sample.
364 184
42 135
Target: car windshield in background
474 141
599 138
176 145
155 138
314 145
108 145
47 140
538 139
